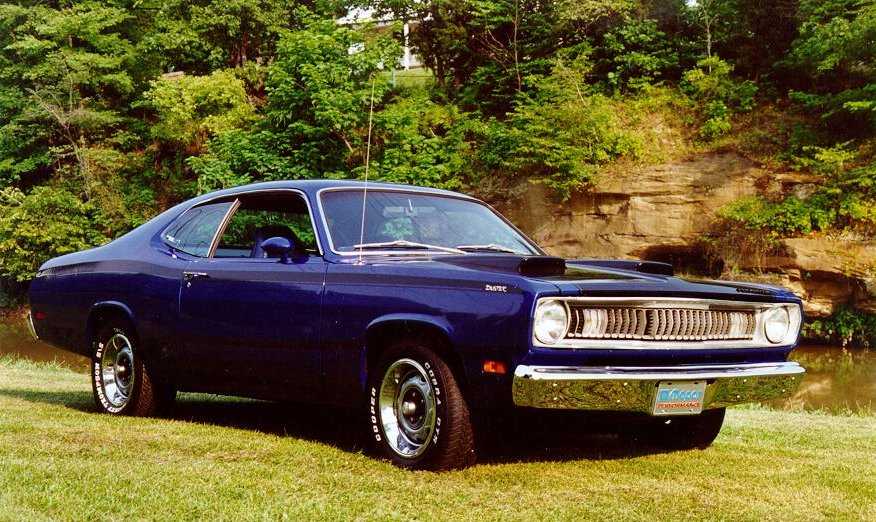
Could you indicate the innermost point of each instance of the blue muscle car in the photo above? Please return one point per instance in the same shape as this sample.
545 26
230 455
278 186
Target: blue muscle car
422 308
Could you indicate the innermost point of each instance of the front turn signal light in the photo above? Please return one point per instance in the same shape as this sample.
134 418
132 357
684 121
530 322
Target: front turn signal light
497 367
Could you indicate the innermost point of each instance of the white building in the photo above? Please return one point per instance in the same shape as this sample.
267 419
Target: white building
409 59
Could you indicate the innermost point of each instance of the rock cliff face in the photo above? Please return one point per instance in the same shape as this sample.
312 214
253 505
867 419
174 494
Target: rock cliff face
827 273
663 213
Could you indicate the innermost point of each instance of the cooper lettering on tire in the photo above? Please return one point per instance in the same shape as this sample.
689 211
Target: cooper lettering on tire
121 380
411 424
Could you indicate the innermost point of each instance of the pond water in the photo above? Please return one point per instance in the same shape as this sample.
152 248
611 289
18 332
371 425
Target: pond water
837 379
15 340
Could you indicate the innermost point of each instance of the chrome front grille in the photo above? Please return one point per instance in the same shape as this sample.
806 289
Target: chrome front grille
659 324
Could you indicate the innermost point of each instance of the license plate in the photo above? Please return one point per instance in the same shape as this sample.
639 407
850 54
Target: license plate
679 397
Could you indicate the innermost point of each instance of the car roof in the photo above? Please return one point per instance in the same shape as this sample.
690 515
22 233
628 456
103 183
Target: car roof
310 187
313 186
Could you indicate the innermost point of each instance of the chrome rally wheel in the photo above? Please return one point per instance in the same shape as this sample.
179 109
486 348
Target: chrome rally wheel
419 418
117 370
407 408
122 381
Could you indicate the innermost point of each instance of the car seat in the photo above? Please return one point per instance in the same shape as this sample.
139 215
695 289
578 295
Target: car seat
267 232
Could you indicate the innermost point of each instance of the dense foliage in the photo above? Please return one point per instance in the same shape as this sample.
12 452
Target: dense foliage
845 327
831 68
113 111
27 237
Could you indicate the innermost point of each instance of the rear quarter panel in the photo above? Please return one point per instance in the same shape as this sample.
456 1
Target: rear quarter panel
146 289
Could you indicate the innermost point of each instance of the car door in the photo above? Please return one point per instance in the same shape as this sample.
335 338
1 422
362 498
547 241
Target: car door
253 326
250 324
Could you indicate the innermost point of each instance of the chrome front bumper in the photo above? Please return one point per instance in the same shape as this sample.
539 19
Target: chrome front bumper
633 388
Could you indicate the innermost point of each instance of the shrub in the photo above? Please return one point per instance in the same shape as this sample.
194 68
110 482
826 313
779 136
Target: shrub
709 80
45 223
718 122
710 83
846 327
787 217
562 133
192 107
845 201
419 141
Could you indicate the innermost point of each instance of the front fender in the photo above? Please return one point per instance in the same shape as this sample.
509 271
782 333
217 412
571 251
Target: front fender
481 390
438 322
391 324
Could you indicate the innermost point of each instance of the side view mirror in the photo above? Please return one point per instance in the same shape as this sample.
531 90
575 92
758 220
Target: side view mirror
278 247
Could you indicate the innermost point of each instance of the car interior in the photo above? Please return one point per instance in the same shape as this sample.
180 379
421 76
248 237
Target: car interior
263 216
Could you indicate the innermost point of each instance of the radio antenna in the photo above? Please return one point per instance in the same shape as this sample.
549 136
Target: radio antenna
367 166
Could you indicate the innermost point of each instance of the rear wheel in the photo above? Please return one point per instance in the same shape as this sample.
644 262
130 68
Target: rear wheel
121 380
419 418
687 432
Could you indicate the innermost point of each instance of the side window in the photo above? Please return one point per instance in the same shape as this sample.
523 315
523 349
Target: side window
193 232
265 215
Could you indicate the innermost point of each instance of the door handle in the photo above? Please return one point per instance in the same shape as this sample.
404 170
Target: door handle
191 276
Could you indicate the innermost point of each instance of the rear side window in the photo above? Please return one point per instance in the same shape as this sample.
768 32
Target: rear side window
193 232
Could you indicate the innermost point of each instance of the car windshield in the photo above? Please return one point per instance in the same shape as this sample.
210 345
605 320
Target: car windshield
398 221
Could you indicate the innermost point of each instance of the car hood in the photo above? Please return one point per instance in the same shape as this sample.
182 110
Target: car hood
600 281
616 278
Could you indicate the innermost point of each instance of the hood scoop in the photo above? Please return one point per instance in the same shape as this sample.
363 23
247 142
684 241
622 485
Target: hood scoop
644 267
533 266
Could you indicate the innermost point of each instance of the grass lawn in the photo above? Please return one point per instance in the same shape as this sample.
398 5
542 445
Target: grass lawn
242 460
409 78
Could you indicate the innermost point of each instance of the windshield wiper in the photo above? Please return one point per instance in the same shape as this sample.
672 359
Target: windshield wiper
402 244
487 248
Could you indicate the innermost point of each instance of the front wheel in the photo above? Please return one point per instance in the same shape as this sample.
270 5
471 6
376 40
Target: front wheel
121 380
687 432
418 416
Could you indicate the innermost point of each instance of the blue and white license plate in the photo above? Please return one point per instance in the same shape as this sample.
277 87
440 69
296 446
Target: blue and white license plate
679 397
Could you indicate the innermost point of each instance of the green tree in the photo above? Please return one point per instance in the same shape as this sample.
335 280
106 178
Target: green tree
835 50
635 54
315 117
204 35
64 72
758 36
483 51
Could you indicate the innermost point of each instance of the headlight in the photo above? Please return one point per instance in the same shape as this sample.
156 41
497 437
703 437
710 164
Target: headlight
551 321
775 324
781 324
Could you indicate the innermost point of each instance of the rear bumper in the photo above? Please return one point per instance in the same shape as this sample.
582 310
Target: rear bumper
30 327
633 388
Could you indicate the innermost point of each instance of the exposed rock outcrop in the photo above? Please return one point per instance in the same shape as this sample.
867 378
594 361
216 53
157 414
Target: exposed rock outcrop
662 207
663 213
827 273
